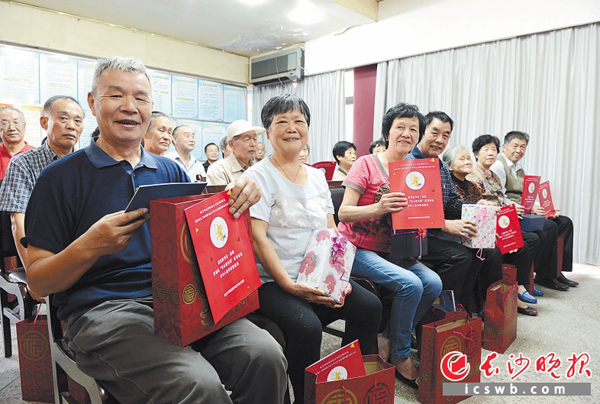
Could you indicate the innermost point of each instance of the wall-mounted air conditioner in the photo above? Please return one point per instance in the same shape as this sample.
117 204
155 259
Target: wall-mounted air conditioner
281 66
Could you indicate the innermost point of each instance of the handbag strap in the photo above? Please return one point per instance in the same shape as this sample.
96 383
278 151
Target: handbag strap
479 254
37 314
472 339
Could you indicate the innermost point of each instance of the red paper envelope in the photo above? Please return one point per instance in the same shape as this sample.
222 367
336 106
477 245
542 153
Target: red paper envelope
508 230
420 180
531 185
223 246
328 168
345 363
546 199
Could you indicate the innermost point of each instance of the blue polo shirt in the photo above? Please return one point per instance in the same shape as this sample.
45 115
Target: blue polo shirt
74 193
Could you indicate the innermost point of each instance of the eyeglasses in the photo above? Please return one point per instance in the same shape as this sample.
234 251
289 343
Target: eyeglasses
6 124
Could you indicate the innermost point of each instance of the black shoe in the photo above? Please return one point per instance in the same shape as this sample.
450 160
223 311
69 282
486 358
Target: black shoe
410 383
528 311
567 282
551 284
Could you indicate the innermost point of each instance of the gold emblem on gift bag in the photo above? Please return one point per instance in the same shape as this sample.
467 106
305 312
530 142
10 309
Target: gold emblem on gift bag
34 346
189 294
340 396
185 243
174 297
205 318
160 292
452 343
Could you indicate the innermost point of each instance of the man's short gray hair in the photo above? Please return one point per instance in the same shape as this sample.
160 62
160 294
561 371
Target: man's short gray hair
17 110
50 103
156 114
119 63
449 155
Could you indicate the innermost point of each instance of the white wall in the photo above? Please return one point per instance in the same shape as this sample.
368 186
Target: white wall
22 25
425 26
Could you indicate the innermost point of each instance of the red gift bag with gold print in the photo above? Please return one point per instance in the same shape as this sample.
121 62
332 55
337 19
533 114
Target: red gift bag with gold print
500 328
35 362
456 342
181 310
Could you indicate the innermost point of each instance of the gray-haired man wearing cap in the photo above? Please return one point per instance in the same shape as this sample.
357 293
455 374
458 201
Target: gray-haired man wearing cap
242 138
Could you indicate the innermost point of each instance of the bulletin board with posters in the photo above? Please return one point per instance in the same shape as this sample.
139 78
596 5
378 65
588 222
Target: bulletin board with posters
29 77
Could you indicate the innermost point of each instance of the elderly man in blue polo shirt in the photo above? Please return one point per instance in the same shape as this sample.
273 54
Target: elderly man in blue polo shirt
95 260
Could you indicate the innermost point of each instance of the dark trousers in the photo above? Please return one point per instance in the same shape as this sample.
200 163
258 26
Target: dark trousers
302 323
565 230
455 264
523 258
546 256
491 269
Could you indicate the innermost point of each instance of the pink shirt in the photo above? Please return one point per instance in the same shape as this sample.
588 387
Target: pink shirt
5 157
337 175
368 177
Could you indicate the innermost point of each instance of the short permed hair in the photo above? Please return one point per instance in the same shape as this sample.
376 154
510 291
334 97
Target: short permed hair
401 110
283 103
449 155
339 149
482 140
373 145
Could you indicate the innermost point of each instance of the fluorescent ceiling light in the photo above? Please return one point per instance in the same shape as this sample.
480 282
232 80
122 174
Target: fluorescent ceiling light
306 13
253 2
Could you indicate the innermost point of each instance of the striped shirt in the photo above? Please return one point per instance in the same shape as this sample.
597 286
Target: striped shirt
21 175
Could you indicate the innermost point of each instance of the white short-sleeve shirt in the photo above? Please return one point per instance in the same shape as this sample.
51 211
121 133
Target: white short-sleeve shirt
292 211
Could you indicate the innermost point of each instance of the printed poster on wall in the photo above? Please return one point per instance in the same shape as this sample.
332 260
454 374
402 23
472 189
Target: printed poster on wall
35 133
234 103
58 76
89 124
161 91
85 77
213 132
210 100
249 95
19 76
196 127
185 97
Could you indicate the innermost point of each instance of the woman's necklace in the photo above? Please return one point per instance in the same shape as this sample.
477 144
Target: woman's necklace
284 173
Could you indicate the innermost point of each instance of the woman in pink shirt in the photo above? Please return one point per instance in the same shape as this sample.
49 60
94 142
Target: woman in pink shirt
365 218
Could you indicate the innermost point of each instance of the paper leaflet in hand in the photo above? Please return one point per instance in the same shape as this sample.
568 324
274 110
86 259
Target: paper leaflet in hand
223 247
420 181
530 191
546 199
508 230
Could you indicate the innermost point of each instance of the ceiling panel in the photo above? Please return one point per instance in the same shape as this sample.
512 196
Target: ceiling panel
244 27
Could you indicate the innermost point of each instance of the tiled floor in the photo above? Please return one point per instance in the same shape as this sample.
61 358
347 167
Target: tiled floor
569 322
